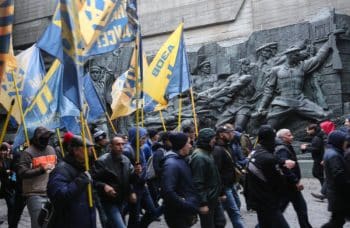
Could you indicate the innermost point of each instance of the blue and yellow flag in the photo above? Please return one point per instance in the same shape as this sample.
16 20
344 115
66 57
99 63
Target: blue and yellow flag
7 59
44 109
28 74
96 109
124 88
168 74
104 25
73 46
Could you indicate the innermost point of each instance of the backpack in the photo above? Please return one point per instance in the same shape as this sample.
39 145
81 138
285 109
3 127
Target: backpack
150 171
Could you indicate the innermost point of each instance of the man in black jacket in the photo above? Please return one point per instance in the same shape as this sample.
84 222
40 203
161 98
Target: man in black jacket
284 151
316 148
226 164
180 198
265 182
113 174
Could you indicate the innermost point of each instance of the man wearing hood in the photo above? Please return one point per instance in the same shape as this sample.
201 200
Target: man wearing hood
180 198
144 198
338 179
284 151
206 179
265 183
35 164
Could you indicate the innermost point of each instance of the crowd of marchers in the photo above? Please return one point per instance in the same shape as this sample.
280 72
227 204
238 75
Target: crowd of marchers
131 180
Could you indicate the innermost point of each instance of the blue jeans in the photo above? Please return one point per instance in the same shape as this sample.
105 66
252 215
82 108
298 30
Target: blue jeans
144 200
232 209
113 213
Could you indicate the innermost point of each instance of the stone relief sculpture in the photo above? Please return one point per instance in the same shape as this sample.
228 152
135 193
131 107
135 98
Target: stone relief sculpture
248 85
287 82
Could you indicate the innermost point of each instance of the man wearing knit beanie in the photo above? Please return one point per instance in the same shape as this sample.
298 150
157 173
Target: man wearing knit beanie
206 180
179 194
178 140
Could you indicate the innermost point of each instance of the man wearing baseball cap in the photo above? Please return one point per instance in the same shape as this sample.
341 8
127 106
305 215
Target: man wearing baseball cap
67 187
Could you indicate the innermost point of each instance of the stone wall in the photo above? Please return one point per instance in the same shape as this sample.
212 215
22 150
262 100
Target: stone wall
224 21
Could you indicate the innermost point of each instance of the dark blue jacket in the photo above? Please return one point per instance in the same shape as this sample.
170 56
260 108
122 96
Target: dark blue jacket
177 187
130 152
237 151
337 174
67 190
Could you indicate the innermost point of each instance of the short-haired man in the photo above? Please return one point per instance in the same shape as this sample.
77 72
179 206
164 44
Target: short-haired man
114 174
284 151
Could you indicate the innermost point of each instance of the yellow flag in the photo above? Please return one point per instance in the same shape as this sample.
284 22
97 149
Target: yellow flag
158 77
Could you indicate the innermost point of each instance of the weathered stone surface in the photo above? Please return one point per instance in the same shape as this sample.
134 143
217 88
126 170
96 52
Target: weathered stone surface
194 13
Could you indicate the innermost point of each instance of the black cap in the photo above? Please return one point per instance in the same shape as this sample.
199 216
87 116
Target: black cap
178 140
152 132
77 141
266 133
99 134
222 129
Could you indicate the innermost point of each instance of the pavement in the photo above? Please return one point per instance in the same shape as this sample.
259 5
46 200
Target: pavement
317 210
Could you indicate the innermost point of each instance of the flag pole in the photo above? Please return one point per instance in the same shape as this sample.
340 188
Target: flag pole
194 112
111 123
7 120
137 155
162 119
20 109
179 114
90 138
60 141
86 156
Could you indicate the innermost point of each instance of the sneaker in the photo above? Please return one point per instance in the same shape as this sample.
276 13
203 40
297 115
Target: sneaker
318 196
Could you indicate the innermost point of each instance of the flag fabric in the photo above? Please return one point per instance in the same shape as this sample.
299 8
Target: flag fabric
124 88
104 25
28 74
44 109
168 74
95 108
73 46
7 59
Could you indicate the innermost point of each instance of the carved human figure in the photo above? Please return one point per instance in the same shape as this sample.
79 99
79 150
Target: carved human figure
287 80
265 61
237 92
204 68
